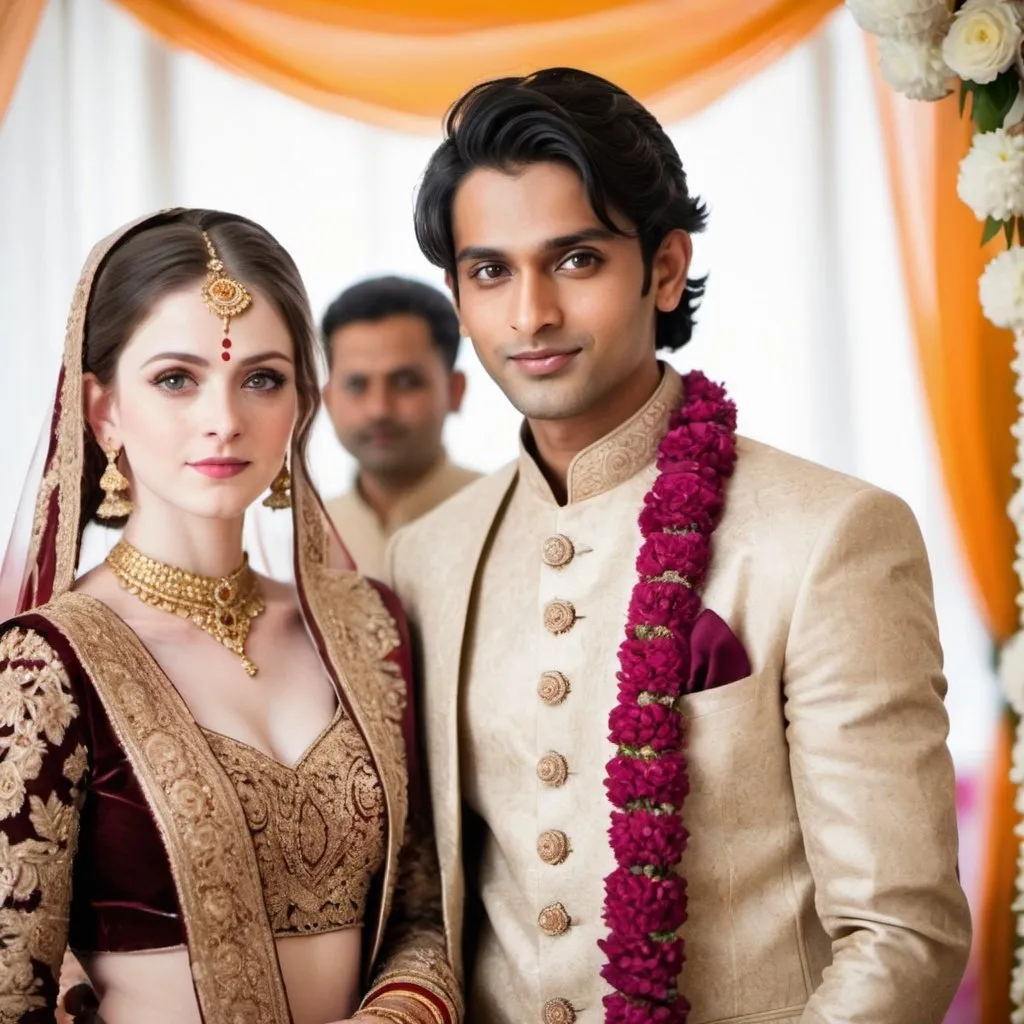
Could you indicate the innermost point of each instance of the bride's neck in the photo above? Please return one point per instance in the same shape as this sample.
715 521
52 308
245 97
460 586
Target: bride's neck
206 547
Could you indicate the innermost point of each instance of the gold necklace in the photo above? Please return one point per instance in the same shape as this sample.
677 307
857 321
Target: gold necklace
223 607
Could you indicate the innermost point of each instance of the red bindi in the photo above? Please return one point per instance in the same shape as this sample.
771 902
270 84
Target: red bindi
226 343
226 356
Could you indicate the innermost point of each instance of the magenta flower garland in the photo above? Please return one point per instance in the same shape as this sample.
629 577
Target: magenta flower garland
645 897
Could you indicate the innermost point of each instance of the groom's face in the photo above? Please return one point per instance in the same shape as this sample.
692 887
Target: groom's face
551 299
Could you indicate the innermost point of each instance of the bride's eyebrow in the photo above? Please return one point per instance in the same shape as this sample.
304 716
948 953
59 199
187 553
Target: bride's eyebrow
178 357
194 360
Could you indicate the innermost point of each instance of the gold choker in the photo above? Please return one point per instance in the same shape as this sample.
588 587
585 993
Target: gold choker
223 607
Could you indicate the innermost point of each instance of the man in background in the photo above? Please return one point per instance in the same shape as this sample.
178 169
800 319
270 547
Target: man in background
391 348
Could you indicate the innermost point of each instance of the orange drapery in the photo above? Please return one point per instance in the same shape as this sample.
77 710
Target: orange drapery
400 63
965 363
18 21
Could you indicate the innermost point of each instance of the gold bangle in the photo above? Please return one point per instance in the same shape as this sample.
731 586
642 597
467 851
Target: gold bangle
398 1016
435 1014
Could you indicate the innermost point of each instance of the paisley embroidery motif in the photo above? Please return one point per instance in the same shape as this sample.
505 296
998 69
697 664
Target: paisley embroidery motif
318 828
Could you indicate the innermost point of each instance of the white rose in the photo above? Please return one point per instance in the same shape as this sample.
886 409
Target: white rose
1001 289
991 179
983 40
901 19
914 67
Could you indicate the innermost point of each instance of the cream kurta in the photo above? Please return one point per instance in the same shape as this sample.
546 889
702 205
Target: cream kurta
365 535
821 809
518 967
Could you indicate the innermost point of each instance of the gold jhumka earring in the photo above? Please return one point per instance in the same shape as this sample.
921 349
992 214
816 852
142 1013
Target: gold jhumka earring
280 490
224 296
116 504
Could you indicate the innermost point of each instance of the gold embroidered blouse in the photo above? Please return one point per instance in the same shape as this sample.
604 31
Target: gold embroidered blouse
317 827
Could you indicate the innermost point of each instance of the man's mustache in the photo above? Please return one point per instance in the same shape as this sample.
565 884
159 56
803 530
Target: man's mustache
381 428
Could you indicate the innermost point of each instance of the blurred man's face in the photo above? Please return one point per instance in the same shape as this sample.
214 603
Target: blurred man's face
389 393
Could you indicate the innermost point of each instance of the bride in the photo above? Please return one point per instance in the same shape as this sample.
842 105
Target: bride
203 772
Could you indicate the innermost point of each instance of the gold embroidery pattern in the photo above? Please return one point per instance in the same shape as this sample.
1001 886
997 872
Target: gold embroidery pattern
318 828
623 453
36 708
359 634
202 824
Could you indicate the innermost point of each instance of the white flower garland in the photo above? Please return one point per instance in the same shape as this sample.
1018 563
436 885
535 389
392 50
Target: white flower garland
1011 674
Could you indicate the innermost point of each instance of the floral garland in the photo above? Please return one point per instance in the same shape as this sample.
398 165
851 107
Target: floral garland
926 50
645 901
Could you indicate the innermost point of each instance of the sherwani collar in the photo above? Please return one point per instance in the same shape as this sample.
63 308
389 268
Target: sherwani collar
614 458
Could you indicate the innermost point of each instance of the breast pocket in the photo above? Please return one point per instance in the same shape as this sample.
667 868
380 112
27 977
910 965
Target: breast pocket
720 699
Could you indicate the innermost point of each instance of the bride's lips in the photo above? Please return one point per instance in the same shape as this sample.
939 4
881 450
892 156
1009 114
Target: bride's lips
219 469
545 361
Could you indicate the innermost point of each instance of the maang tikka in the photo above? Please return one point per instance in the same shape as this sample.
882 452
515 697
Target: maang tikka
224 296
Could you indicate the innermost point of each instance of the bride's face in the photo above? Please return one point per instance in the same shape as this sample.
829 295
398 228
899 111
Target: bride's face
204 427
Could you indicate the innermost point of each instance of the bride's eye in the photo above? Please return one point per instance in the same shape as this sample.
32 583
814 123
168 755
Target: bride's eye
173 380
265 380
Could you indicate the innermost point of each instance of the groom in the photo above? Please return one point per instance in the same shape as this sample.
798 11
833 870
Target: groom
682 691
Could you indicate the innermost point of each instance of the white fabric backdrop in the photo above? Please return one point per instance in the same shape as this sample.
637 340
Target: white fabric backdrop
804 318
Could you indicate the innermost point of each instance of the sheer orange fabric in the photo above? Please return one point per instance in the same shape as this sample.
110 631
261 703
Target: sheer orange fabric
965 361
18 21
401 63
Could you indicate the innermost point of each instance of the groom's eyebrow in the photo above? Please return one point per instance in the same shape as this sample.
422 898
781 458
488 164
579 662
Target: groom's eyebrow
484 252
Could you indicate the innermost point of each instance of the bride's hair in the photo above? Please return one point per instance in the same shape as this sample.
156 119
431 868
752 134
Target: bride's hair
167 254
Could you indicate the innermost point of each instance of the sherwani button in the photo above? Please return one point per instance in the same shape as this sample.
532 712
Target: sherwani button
558 1011
559 616
553 846
554 920
553 770
558 551
553 688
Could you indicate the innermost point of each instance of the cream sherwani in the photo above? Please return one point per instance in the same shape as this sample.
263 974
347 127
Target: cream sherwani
821 865
366 535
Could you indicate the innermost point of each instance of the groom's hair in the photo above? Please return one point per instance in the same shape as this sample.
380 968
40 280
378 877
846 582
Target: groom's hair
624 158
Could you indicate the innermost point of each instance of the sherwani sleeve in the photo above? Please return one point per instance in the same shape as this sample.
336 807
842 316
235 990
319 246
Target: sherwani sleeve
413 974
872 775
43 762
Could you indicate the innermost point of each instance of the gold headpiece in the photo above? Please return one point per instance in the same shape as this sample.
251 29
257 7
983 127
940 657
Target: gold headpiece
224 296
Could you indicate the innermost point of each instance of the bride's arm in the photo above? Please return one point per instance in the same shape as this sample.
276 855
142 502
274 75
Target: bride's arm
43 763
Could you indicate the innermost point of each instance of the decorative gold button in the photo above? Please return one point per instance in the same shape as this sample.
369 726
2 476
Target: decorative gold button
558 551
553 846
553 770
558 1011
553 688
554 920
559 616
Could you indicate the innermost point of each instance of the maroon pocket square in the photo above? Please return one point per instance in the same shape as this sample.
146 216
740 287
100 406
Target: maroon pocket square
716 655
